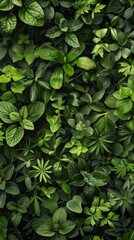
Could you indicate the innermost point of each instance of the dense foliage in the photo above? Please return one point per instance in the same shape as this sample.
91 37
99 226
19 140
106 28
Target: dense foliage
66 119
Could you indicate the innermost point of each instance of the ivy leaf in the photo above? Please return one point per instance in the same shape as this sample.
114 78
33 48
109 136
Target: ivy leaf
32 14
8 23
72 40
14 134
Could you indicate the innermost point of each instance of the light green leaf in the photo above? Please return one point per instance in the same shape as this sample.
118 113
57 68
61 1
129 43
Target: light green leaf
53 32
14 134
56 79
85 63
17 2
6 5
17 87
27 124
5 109
32 14
46 229
72 40
74 205
4 79
74 25
68 69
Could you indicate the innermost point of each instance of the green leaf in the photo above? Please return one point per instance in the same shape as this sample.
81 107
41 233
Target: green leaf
35 110
66 227
16 218
56 79
2 199
74 53
27 124
46 229
74 25
8 172
72 40
47 52
53 32
12 188
14 134
68 69
74 205
8 23
17 87
4 79
32 14
85 63
5 109
59 216
15 116
6 5
124 105
17 2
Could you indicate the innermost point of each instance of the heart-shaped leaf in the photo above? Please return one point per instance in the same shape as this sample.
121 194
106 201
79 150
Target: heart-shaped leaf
74 205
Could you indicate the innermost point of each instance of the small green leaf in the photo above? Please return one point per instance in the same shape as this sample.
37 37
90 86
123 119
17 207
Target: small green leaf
27 124
53 32
56 79
17 2
14 134
74 205
47 52
66 227
46 229
85 63
72 40
59 216
4 79
68 69
12 188
5 109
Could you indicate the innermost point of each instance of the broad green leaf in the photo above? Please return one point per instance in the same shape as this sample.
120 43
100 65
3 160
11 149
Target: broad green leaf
72 40
29 53
66 227
46 229
74 205
85 63
27 124
6 5
47 52
4 79
124 105
5 109
35 111
12 188
14 134
15 116
32 14
59 216
56 80
101 32
8 23
8 172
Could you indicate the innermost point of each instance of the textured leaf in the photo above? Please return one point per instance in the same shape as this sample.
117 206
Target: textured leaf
8 23
32 14
72 40
35 111
14 134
